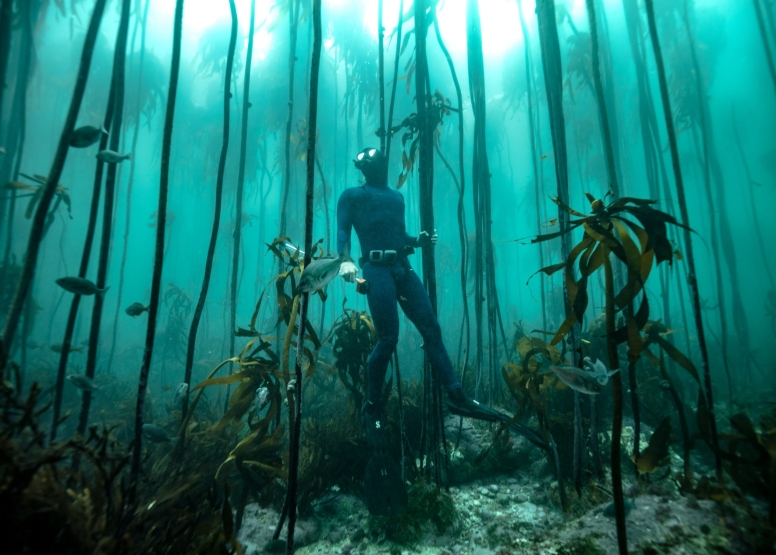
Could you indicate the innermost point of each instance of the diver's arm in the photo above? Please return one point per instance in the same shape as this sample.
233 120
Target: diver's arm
347 269
344 221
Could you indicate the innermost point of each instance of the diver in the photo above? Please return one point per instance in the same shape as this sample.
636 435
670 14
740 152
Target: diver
376 212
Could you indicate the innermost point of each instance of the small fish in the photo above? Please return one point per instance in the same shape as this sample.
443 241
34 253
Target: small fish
579 380
598 369
85 136
262 394
32 344
18 186
112 157
665 385
181 391
544 157
80 286
135 309
291 385
3 151
57 348
629 505
320 272
82 382
156 434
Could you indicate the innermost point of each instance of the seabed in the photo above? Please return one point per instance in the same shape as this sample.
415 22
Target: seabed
517 513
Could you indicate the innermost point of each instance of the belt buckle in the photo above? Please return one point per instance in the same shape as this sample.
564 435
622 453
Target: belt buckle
390 256
375 256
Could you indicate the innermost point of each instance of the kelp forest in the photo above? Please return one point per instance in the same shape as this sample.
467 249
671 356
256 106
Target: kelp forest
184 371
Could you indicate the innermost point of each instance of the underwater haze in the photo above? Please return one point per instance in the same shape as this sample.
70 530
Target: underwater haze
600 176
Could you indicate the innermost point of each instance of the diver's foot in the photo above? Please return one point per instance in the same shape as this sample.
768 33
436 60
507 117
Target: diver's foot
456 397
459 404
374 425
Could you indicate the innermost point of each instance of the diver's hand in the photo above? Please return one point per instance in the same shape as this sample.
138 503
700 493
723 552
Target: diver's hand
348 271
424 239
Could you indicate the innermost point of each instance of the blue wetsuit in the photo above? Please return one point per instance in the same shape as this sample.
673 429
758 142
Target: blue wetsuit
377 214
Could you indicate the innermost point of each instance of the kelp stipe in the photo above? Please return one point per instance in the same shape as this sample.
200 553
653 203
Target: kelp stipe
395 81
141 21
238 223
432 405
293 27
156 279
6 16
296 432
217 208
117 84
465 336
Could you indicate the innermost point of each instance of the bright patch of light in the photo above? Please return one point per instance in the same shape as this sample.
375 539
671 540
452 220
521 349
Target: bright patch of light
499 20
199 15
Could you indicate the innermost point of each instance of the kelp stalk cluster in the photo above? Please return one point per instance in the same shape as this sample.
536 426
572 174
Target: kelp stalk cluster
692 279
52 180
293 467
118 79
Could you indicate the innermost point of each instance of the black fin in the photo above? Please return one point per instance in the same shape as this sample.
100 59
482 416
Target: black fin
473 409
385 491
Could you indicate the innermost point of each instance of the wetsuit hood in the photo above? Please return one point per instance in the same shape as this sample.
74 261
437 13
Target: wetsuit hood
374 165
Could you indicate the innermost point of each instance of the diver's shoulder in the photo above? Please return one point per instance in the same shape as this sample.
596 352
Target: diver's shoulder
351 192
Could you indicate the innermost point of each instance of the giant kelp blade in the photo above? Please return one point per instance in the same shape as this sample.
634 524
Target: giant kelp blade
632 200
656 453
654 223
579 305
567 208
255 314
742 423
223 380
565 328
641 317
242 332
632 252
603 236
548 270
678 357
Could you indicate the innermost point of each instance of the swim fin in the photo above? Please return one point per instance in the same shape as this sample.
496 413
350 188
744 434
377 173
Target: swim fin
459 405
385 491
474 409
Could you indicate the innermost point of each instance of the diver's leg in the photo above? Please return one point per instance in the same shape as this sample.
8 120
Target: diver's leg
416 305
382 306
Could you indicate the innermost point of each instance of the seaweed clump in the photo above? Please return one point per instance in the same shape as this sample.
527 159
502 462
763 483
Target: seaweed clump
428 505
78 488
581 546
